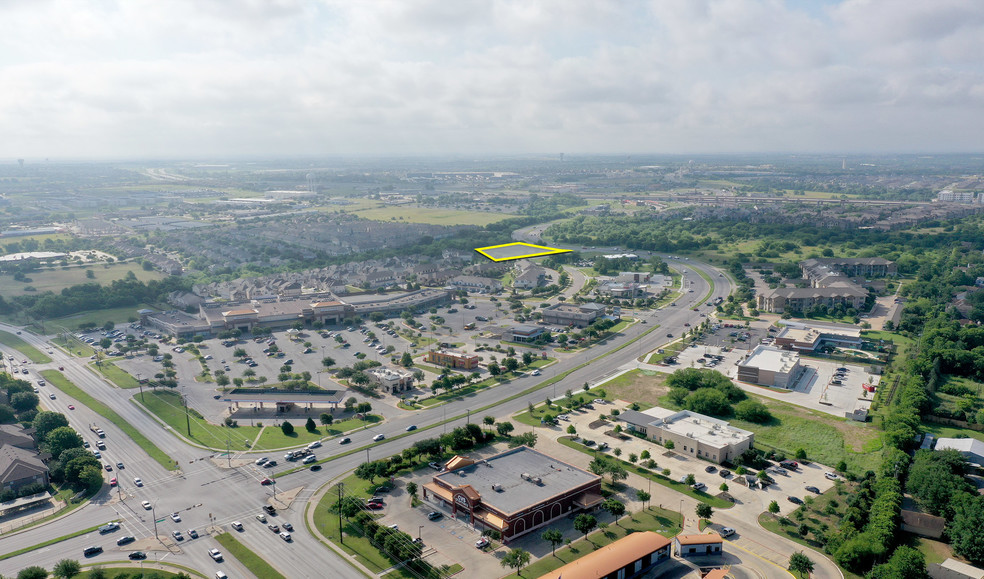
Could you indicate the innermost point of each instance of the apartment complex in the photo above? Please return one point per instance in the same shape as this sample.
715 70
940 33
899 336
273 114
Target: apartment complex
831 284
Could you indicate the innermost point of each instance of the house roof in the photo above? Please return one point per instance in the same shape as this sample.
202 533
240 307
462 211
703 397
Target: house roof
700 539
610 558
968 445
16 435
17 463
963 569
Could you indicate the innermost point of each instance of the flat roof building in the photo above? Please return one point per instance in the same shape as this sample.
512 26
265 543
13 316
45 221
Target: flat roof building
631 556
697 545
522 333
692 433
391 379
808 338
769 366
514 492
582 315
452 359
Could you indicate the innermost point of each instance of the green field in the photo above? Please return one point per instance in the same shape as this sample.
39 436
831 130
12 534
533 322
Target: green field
98 317
427 215
256 564
116 375
58 380
274 438
166 405
35 355
57 279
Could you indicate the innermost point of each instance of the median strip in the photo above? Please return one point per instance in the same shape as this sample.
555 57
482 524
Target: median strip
256 564
49 542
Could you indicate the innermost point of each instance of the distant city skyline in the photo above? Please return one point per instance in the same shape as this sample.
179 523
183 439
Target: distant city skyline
213 78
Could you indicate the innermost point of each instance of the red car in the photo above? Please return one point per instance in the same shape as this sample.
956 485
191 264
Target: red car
374 506
266 481
71 407
112 482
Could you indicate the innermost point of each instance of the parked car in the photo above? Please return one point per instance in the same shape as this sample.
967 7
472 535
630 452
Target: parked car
795 500
831 475
813 489
724 473
710 469
727 531
435 466
482 543
434 515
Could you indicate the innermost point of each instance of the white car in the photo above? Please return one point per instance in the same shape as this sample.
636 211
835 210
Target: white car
138 482
727 532
379 437
482 543
285 536
309 459
215 554
176 517
146 505
314 444
261 461
831 475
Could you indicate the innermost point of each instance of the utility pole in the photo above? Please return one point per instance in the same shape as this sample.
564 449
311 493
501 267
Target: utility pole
341 533
228 454
140 385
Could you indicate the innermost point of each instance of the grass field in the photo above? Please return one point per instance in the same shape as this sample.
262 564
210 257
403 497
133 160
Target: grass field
57 279
273 437
166 405
256 564
126 569
99 317
58 380
35 355
826 438
427 215
74 346
116 375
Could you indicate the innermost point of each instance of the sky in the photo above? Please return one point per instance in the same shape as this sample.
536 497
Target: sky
223 78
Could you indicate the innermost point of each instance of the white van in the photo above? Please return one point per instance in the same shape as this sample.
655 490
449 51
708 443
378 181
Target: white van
221 575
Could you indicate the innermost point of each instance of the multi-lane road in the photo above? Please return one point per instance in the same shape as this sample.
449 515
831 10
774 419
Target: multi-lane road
205 493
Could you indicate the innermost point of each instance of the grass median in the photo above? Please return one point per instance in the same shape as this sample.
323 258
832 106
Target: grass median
256 564
49 542
15 342
116 375
58 380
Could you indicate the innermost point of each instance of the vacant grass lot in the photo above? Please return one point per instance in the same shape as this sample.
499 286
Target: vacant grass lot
166 405
432 216
273 437
116 375
99 317
662 521
14 341
55 280
59 381
256 564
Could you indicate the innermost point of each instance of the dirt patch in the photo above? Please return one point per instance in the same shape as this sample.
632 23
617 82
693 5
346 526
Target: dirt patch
639 387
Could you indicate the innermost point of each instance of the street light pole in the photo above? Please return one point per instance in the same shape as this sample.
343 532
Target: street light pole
683 520
418 532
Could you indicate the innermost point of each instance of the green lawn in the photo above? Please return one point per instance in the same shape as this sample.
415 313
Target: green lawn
58 380
74 346
57 279
15 342
127 569
714 501
256 564
116 375
99 317
274 438
662 521
166 405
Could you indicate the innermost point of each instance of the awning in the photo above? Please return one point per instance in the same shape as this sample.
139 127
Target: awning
439 491
588 500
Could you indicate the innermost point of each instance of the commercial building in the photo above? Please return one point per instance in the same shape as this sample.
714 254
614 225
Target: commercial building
953 569
970 448
697 545
514 492
522 333
631 556
582 315
391 379
810 337
770 366
692 433
452 359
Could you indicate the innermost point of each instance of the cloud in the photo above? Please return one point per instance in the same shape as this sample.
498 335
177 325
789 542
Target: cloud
191 78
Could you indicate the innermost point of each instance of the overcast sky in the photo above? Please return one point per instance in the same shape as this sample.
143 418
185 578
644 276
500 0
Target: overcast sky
215 78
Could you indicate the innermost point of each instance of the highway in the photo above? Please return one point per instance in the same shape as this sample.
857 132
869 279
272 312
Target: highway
205 492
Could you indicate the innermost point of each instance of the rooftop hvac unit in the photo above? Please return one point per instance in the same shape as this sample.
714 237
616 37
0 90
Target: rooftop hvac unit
497 487
696 420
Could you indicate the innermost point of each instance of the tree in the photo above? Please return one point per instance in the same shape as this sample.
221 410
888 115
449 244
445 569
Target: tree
412 489
46 421
554 537
800 563
800 454
704 511
964 530
33 572
516 559
615 508
326 420
62 439
585 523
690 480
643 497
494 369
752 411
287 428
310 426
327 362
906 563
24 401
91 477
511 364
504 428
774 508
370 470
67 568
488 421
406 360
708 401
525 439
724 488
571 430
